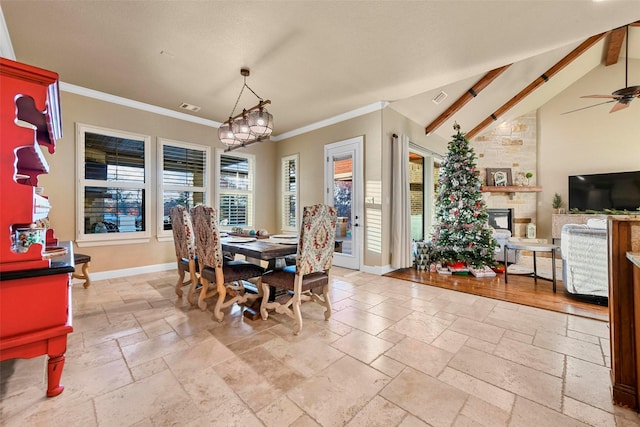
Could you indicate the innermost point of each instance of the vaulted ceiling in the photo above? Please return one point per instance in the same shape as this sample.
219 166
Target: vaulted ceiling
320 59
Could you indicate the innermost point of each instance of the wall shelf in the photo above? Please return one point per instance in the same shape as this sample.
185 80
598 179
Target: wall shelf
512 189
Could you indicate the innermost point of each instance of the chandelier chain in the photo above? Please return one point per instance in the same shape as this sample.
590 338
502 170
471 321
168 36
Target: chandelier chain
240 95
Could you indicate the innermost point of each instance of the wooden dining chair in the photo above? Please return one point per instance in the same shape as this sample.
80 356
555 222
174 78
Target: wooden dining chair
309 279
185 245
216 275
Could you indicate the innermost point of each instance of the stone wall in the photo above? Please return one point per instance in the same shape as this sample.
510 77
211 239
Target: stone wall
511 145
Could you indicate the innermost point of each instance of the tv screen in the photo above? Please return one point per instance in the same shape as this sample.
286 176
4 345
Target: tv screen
598 192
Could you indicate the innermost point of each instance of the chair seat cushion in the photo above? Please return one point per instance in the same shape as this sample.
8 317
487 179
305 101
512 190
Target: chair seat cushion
81 258
234 270
285 278
185 263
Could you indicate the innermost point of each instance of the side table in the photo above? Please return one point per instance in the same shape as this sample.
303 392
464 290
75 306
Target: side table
533 247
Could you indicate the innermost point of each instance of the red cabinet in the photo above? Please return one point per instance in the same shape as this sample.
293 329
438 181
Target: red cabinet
35 290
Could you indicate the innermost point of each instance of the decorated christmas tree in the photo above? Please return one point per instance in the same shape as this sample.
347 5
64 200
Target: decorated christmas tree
462 231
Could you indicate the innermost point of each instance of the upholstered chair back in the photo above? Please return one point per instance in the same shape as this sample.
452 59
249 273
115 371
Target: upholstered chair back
183 237
208 245
317 239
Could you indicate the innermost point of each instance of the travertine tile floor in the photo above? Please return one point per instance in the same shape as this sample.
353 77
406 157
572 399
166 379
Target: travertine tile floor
394 353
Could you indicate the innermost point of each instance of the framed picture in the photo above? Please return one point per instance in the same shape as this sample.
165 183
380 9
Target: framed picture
499 177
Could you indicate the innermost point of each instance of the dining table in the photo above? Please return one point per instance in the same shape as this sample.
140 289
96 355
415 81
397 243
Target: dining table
272 249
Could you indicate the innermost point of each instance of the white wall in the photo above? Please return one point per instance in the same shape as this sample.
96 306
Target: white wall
587 141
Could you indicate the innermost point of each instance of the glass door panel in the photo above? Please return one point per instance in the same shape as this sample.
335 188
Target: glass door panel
343 183
342 166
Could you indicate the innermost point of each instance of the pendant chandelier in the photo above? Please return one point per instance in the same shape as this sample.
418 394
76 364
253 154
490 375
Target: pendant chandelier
252 125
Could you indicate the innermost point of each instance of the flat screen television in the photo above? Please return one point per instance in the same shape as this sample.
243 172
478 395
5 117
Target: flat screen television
619 191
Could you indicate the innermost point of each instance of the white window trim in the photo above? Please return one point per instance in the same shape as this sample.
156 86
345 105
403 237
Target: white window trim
284 192
167 235
252 193
105 239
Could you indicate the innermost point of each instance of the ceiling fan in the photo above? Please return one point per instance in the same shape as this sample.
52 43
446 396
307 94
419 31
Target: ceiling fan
621 97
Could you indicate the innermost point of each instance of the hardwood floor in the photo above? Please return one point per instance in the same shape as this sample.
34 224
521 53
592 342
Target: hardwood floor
519 290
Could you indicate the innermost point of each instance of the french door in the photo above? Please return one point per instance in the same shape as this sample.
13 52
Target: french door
344 191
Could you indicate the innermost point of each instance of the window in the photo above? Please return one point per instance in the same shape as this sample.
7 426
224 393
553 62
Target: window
113 188
183 171
235 176
424 169
290 193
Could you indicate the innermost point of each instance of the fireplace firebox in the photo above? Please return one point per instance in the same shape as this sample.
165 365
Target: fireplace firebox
501 218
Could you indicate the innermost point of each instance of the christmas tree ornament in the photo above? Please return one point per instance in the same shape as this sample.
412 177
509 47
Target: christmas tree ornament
462 232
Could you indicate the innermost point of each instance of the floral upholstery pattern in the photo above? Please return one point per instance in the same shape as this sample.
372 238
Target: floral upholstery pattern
209 247
184 242
310 279
183 237
317 239
217 276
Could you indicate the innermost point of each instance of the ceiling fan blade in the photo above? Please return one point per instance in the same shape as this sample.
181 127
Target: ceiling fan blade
584 108
619 106
600 96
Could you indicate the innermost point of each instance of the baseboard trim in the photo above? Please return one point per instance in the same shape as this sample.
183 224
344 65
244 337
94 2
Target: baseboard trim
377 270
114 274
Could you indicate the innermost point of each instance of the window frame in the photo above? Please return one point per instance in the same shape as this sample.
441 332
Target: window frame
284 192
251 159
161 233
104 239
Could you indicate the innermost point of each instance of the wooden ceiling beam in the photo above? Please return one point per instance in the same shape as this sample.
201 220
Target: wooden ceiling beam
537 82
465 98
614 46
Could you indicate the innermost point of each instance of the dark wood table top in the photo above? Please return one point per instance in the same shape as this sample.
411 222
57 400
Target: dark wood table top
263 249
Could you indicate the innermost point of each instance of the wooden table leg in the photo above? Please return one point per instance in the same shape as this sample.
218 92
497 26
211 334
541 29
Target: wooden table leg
506 264
553 267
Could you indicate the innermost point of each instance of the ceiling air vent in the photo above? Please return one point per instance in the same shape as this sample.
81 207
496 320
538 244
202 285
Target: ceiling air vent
439 97
192 108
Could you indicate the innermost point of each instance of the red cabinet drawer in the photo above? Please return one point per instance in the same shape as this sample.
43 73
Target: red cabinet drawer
31 304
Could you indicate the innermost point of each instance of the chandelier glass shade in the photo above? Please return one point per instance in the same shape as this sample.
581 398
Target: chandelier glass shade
240 129
260 122
252 125
226 135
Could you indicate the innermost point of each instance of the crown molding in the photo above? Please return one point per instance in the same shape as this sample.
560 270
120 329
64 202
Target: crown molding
78 90
90 93
376 106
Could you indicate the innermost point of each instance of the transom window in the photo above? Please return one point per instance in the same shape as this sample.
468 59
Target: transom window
113 187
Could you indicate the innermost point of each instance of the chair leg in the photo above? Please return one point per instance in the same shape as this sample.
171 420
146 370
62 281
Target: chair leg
180 282
295 302
297 314
85 273
265 300
194 282
202 304
222 294
327 301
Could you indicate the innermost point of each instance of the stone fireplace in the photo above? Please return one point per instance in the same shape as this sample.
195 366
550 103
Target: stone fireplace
511 145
